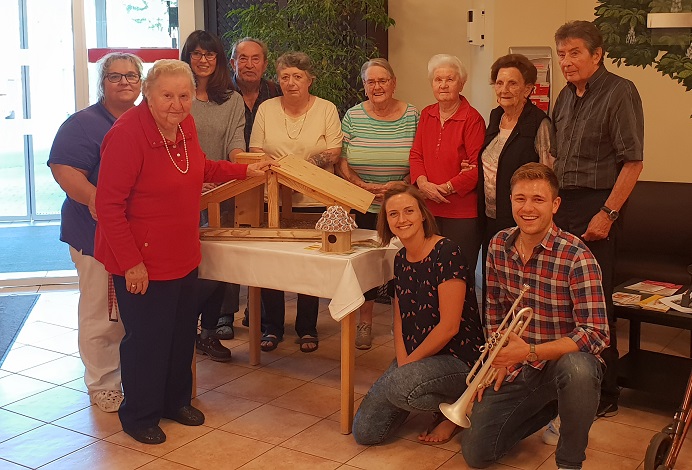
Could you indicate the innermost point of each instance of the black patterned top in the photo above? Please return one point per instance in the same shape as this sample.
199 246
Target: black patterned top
416 290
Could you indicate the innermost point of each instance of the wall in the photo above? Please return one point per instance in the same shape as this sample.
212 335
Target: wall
422 31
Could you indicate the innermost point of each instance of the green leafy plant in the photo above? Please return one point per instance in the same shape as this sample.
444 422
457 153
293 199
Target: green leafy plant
628 41
329 31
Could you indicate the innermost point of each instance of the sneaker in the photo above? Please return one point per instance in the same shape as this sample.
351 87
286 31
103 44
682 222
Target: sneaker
213 348
552 433
363 336
108 401
606 410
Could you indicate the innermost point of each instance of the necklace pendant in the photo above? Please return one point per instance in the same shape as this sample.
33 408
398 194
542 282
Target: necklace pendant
177 154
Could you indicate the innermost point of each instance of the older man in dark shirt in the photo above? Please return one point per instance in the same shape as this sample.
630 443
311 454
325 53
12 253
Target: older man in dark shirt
598 145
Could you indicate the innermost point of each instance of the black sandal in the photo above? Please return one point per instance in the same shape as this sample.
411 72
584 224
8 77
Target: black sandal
308 339
273 341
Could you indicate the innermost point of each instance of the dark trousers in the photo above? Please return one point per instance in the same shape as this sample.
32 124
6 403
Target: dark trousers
577 208
467 234
156 352
210 295
275 313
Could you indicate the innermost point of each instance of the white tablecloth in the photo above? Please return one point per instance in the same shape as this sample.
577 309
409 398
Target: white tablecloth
292 267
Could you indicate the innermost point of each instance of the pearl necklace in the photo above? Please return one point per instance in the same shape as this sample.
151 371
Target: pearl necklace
187 158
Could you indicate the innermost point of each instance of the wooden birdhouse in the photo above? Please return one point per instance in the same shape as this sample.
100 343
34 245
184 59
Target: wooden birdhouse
336 226
292 174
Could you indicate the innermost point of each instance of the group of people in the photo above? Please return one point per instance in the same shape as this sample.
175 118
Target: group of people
542 197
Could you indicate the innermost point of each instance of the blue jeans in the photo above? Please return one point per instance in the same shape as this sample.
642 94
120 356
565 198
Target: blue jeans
569 386
418 386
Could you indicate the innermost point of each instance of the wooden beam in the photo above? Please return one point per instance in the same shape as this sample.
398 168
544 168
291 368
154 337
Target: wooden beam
214 213
274 220
317 179
296 234
301 188
229 190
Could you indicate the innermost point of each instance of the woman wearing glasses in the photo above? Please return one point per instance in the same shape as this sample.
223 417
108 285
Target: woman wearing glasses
75 159
219 114
303 125
378 134
444 156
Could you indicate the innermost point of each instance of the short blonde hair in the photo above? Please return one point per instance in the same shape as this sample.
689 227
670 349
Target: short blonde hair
166 67
446 60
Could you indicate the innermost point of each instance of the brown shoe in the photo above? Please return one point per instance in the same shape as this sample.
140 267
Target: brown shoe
213 348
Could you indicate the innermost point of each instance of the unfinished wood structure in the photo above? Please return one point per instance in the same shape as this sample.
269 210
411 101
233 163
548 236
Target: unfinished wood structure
292 173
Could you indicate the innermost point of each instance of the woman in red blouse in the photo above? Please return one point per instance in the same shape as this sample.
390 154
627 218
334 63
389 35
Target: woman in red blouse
444 156
147 237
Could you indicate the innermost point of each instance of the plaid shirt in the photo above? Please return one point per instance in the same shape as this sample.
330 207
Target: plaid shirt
565 291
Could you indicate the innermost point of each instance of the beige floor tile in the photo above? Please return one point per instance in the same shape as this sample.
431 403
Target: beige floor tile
177 435
163 464
13 424
399 454
4 373
77 384
5 465
16 387
324 439
363 380
458 463
28 357
241 356
92 422
51 404
57 308
64 344
270 424
259 386
101 455
640 414
36 332
212 374
279 458
656 337
219 449
529 453
597 460
347 467
377 358
619 439
311 398
220 408
336 416
60 371
680 345
302 366
42 445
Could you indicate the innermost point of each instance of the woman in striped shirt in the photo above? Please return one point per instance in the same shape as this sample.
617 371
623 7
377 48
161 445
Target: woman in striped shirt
378 134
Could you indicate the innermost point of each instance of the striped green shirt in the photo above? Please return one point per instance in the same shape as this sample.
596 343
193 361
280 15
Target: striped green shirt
378 151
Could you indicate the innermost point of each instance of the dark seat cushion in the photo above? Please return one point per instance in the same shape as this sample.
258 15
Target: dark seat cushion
657 233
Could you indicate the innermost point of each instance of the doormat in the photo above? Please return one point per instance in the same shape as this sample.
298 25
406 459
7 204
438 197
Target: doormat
14 310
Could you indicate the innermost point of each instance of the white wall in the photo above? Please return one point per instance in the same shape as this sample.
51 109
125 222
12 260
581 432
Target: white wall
429 27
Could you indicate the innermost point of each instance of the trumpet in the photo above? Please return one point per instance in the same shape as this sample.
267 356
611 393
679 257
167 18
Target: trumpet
483 374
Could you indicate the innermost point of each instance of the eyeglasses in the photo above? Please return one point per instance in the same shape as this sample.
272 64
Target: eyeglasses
511 86
115 77
381 82
254 60
207 55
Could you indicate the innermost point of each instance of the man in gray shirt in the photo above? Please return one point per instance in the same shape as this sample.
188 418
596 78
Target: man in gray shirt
598 145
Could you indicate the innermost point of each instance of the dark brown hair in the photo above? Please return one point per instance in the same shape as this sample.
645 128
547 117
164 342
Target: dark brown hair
534 172
520 62
219 86
383 230
584 30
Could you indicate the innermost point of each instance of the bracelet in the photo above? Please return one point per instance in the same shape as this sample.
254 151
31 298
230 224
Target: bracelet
450 188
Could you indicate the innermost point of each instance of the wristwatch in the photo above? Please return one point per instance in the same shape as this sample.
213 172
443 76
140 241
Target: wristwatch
532 356
612 215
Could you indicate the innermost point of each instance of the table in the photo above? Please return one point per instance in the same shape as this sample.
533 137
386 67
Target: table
290 266
649 371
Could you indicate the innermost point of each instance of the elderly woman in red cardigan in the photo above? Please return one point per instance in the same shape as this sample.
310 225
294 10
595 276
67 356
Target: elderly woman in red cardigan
147 237
444 156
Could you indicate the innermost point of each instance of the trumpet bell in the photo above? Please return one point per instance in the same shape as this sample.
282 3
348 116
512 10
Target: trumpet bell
456 413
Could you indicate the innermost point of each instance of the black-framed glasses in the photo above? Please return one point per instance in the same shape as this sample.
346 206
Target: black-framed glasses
197 55
115 77
381 82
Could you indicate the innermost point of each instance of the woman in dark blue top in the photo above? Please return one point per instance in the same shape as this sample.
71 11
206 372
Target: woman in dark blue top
437 329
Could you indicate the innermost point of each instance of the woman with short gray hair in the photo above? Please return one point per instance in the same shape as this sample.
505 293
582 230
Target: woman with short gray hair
444 156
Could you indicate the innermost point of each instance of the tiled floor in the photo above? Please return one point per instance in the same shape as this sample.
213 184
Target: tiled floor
280 415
